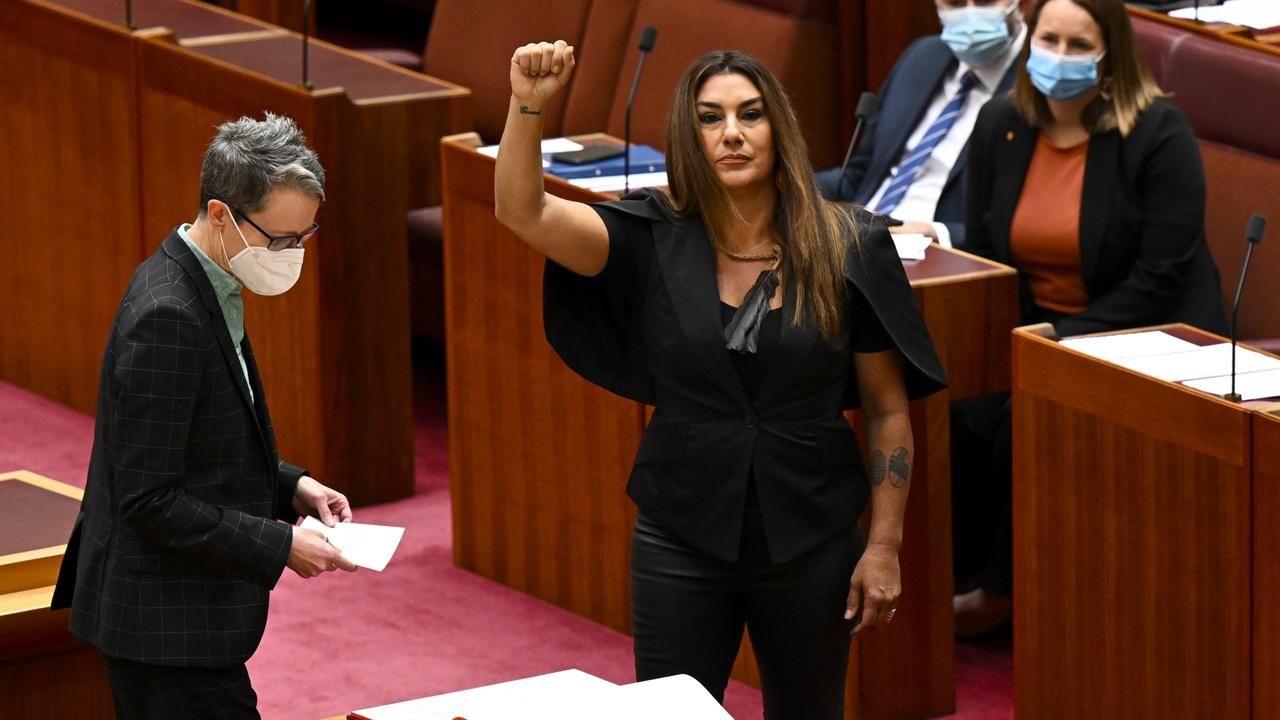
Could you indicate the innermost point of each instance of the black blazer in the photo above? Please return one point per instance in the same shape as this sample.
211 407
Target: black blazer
649 328
175 548
912 84
1142 247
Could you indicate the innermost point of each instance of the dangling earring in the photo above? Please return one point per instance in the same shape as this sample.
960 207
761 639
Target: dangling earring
777 180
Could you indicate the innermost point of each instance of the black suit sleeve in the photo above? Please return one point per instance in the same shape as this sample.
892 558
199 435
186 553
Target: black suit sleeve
981 178
156 381
287 476
1172 206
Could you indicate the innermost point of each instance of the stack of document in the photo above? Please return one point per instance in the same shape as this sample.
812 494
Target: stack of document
1257 14
565 695
1203 367
648 167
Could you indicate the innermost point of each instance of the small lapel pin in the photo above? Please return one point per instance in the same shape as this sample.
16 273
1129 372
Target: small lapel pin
1009 136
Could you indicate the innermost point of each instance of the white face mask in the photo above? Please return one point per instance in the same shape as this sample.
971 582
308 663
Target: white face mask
263 271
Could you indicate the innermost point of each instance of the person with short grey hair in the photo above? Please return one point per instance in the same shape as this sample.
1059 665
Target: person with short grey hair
188 518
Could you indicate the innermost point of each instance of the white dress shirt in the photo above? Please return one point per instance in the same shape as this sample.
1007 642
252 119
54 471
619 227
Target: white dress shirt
921 200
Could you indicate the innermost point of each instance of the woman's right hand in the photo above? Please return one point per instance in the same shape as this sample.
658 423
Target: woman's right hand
539 70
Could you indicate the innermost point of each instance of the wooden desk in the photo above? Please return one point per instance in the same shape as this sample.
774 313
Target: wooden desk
92 199
1137 583
1266 567
44 669
539 457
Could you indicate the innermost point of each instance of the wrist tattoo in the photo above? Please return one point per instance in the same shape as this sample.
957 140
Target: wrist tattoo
877 468
899 467
526 110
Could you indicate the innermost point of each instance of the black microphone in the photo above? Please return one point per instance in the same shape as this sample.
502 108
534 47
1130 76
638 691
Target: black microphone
647 38
867 106
128 15
1253 235
306 30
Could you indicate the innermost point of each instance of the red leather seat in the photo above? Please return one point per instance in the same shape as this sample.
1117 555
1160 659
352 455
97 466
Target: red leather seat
1231 95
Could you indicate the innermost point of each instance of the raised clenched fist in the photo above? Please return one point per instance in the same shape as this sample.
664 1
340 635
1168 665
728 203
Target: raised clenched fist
539 70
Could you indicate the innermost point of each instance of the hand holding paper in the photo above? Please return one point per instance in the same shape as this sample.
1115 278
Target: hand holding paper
369 546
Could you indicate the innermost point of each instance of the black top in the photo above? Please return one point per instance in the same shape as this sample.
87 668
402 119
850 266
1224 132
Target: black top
1143 255
650 327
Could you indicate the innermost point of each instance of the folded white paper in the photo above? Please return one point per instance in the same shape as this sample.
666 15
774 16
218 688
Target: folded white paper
369 546
911 246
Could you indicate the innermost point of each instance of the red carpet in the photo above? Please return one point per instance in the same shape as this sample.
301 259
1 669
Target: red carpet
422 627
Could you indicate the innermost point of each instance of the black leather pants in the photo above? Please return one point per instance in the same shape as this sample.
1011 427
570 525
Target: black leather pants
689 610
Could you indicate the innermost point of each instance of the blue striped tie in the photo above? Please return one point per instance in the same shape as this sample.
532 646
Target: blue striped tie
911 166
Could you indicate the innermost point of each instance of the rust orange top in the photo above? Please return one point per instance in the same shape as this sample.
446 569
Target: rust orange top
1044 239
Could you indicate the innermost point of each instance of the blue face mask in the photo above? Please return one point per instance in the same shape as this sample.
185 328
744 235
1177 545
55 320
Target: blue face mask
977 35
1062 77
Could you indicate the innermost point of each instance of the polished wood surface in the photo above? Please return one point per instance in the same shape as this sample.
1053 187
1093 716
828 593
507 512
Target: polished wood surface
45 671
334 351
186 18
1266 564
539 457
1131 506
69 194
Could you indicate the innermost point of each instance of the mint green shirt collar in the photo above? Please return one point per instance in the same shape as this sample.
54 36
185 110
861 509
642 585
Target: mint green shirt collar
226 288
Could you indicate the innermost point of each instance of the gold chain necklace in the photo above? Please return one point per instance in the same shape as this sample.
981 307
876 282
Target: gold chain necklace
774 254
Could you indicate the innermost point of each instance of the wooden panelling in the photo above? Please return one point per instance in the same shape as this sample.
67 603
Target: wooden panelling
538 457
68 195
1266 564
114 125
889 26
1131 543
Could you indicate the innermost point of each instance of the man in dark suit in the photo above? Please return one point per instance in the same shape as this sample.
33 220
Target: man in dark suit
187 519
911 162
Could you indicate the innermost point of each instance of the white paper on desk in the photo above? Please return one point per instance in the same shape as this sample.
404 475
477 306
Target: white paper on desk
1259 14
911 246
1125 345
1250 386
1203 362
564 695
605 183
678 696
369 546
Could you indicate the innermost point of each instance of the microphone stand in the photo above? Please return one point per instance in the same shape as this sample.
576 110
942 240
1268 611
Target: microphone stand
306 30
647 37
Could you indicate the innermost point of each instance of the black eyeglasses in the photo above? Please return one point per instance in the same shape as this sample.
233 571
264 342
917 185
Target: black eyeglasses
276 242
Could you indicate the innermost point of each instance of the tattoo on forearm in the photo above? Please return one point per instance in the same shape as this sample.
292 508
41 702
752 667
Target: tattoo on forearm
526 110
899 467
877 468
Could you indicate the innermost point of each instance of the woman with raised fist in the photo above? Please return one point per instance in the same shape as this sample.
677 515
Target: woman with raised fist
750 312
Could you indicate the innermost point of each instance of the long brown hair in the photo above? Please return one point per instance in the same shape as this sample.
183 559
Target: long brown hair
1129 88
814 232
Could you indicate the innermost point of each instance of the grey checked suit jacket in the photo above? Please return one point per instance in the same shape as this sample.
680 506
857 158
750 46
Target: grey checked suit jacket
177 546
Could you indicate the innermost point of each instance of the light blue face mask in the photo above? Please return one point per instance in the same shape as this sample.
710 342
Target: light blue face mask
1062 77
977 35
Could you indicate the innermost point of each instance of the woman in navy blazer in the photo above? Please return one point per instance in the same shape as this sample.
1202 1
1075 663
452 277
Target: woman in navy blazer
1089 181
750 312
